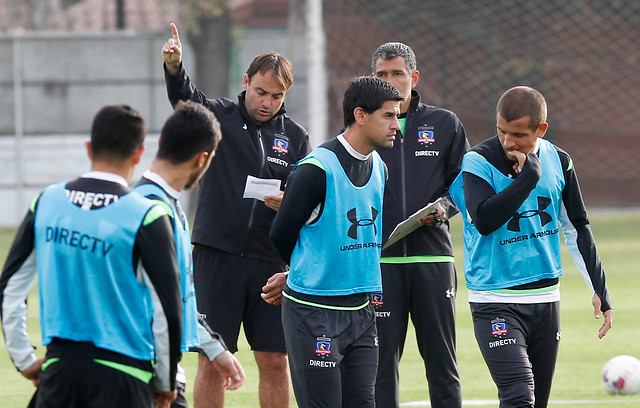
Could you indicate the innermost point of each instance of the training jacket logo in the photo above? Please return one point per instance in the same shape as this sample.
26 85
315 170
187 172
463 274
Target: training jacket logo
426 135
362 222
545 218
280 144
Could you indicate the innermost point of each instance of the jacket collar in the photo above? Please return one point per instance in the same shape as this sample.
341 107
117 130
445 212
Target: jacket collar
415 101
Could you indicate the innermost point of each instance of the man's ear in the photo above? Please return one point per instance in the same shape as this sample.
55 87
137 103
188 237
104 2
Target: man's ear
360 115
202 158
245 81
415 77
87 144
542 129
138 154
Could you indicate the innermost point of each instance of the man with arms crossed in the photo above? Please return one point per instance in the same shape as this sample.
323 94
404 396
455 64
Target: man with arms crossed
187 144
418 272
233 255
103 256
518 190
329 229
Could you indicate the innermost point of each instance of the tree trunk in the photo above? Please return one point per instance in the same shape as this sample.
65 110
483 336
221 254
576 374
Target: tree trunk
212 47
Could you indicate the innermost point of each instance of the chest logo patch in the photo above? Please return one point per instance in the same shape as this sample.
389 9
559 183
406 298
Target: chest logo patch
280 145
426 135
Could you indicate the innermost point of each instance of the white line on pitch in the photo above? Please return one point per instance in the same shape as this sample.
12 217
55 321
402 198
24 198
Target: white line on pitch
484 403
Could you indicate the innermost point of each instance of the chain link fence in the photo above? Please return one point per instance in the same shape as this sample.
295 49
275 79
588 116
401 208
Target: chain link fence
584 56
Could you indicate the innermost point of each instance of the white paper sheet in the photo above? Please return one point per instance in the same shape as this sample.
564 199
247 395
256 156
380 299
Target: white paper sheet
260 188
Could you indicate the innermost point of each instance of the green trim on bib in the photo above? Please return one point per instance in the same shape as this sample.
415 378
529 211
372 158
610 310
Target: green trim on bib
527 291
416 259
303 302
32 207
153 214
164 205
311 160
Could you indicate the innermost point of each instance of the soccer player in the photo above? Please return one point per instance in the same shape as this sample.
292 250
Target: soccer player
329 230
188 141
107 277
515 190
233 255
418 273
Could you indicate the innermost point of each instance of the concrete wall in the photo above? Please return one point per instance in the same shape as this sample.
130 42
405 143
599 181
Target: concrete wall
51 86
45 160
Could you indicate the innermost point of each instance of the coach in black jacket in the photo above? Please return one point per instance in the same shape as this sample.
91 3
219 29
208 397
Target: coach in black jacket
233 254
418 273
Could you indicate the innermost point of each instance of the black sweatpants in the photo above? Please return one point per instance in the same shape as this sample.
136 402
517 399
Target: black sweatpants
426 291
333 355
519 343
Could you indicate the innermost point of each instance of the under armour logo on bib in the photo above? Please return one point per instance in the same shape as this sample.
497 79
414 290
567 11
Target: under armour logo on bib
545 218
362 222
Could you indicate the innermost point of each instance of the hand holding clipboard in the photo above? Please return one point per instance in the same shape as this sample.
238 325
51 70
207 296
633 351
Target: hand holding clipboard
411 224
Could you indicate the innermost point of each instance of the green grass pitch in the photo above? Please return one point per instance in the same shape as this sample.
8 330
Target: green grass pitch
582 354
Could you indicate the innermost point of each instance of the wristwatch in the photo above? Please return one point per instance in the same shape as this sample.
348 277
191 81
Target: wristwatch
438 219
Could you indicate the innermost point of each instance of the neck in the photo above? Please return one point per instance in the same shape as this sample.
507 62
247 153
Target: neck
356 139
124 169
176 175
404 107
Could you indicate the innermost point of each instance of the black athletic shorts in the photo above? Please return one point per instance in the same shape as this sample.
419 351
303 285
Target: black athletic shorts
228 289
74 376
333 355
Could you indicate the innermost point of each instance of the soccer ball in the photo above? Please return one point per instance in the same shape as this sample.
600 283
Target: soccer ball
621 375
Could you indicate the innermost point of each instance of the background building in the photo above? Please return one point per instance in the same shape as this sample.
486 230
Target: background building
64 59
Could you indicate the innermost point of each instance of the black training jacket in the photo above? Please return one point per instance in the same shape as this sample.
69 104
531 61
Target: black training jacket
422 164
224 220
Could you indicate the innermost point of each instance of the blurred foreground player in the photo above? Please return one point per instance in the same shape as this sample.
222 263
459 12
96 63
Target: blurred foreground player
187 144
107 276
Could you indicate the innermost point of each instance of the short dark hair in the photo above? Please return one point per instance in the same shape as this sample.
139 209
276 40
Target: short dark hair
117 132
368 93
281 66
521 101
191 129
395 49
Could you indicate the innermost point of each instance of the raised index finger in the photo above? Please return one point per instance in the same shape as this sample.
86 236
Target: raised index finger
174 31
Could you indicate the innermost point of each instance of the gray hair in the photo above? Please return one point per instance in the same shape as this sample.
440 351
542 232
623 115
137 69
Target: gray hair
395 49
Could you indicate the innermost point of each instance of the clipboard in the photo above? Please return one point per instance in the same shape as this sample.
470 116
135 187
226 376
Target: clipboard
411 224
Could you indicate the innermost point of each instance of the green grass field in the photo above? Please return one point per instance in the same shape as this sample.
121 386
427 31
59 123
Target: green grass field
582 354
